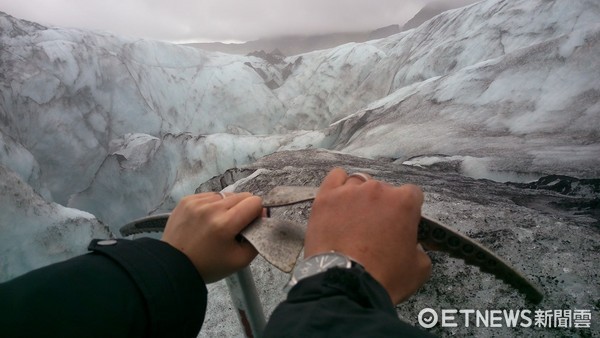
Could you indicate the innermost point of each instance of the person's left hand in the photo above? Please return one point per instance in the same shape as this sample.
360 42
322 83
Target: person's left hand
204 227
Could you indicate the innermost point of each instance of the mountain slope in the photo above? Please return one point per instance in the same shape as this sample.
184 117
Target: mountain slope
297 44
432 9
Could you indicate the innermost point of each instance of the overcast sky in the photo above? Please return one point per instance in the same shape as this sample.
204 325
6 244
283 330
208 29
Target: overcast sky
215 20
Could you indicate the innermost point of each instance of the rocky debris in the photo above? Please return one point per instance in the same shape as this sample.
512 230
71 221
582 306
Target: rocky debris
432 9
224 180
276 70
566 185
289 68
572 196
270 82
275 57
384 32
558 251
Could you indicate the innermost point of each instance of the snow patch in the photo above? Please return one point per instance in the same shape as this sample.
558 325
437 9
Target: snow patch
474 167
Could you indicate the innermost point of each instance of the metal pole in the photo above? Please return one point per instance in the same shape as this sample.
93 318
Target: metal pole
245 299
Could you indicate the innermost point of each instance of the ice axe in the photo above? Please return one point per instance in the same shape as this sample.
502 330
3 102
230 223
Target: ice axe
280 241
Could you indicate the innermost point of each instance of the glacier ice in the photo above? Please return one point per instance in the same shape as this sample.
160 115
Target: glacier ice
521 105
36 232
145 174
119 127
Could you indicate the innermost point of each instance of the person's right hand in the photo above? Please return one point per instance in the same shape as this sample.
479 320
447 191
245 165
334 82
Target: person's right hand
375 224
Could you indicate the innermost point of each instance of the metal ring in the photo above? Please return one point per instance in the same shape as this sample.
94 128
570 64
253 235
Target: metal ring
361 176
222 194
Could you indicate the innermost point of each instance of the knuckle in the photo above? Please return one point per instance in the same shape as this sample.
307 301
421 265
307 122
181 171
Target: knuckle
220 221
411 189
411 195
187 203
202 209
374 190
373 184
186 200
371 187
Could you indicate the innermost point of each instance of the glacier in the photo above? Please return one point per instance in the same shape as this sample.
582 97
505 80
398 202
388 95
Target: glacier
97 130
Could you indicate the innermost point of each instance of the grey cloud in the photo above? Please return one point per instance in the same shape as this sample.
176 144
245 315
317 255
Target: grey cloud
180 20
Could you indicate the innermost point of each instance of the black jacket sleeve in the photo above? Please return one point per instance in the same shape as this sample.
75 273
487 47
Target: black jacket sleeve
123 288
339 303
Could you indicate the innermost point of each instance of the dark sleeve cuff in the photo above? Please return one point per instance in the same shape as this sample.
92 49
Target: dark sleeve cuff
173 290
339 303
355 283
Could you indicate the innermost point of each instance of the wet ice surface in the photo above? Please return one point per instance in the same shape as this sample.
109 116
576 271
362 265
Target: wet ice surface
121 127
